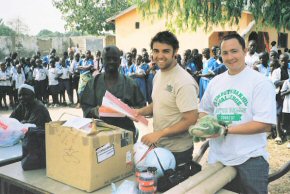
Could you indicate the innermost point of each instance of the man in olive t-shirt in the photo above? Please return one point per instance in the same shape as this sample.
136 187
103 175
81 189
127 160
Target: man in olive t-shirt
174 105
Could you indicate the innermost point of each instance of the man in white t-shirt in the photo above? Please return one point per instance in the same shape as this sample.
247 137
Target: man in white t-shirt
252 56
174 97
246 99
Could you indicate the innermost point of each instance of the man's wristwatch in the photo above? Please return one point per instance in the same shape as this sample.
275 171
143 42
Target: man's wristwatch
226 130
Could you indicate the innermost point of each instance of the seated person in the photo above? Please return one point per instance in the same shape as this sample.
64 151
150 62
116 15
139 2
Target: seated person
29 109
119 85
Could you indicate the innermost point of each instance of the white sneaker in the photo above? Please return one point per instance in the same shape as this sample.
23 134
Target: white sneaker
288 145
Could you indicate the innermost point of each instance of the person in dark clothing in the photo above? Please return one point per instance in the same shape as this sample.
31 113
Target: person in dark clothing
30 110
119 85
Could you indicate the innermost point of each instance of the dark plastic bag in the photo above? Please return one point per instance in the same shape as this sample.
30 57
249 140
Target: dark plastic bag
33 149
172 177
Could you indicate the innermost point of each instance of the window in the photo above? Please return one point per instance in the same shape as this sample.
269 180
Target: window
137 25
282 40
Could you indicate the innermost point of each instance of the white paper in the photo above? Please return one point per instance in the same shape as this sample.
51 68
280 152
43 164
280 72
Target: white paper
105 152
128 157
77 122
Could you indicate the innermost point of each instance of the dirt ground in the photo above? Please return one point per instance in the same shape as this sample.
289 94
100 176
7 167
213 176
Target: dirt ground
279 154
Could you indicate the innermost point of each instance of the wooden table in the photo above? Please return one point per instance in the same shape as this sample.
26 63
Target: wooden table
10 154
14 180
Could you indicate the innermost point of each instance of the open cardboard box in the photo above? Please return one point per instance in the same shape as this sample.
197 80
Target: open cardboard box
88 161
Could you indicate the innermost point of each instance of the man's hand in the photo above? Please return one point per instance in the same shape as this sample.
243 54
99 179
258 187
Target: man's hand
147 110
151 138
136 114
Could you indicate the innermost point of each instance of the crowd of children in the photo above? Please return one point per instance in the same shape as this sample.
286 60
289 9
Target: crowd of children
54 76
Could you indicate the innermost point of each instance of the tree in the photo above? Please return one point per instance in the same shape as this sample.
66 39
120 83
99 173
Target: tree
18 26
20 29
48 33
5 30
90 15
190 14
45 33
73 33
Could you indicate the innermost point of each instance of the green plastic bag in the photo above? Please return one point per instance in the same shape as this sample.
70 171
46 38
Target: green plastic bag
207 127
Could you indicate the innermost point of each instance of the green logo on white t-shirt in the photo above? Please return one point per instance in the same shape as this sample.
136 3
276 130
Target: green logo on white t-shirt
231 94
227 113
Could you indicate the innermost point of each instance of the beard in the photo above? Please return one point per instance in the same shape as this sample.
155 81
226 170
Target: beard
111 69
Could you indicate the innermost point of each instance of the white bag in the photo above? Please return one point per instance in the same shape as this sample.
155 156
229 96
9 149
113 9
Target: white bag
11 131
125 188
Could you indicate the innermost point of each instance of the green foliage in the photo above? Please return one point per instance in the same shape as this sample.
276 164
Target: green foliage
90 15
45 33
275 13
5 30
190 14
73 33
48 33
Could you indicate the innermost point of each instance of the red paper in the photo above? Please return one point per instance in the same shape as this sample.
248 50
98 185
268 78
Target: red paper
109 112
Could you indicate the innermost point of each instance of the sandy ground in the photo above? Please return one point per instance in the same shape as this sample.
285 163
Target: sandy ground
279 153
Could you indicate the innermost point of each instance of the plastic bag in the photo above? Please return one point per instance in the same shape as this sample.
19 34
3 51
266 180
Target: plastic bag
11 131
207 127
125 188
33 149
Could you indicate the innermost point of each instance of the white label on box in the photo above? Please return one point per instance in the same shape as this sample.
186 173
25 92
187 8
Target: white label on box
105 152
128 157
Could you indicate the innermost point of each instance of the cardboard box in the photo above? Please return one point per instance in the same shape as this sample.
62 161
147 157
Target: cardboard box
88 162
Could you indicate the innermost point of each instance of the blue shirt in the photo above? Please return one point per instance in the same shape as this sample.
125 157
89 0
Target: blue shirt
124 70
220 69
68 62
85 63
191 67
210 65
46 59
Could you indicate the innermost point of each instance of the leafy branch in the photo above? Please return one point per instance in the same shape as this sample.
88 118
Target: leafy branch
191 14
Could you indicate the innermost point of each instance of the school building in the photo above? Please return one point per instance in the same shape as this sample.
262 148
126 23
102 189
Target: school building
132 30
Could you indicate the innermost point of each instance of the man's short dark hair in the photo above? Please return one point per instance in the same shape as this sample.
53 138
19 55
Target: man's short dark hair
237 37
273 43
167 38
